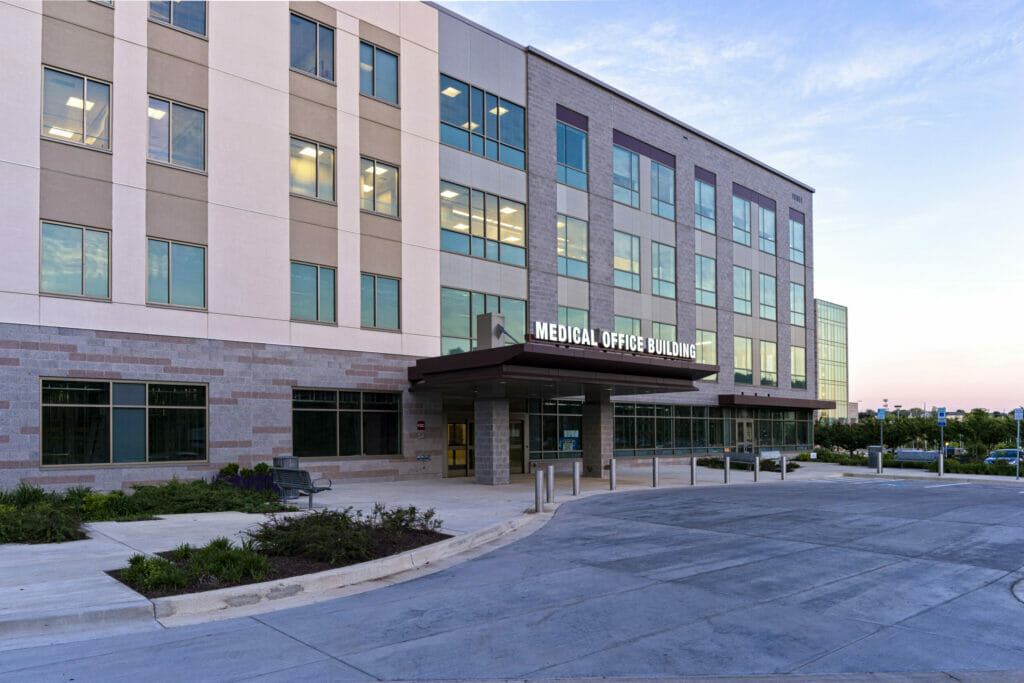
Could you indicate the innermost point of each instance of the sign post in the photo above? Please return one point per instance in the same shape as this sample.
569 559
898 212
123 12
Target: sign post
881 429
942 439
1018 415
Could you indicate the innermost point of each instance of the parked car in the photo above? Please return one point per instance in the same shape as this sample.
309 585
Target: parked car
1006 455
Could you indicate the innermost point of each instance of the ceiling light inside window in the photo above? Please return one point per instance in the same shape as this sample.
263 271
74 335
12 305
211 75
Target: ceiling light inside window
62 133
499 111
365 67
448 194
76 102
367 188
156 113
508 209
381 169
308 152
451 91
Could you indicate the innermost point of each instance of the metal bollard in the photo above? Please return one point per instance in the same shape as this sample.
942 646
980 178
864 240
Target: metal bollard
576 467
538 505
654 472
693 471
782 467
942 461
551 484
727 469
879 462
611 474
757 467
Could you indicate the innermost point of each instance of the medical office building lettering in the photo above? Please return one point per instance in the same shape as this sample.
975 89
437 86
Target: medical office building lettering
605 339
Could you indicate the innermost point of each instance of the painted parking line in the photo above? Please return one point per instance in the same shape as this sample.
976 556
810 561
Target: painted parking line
939 486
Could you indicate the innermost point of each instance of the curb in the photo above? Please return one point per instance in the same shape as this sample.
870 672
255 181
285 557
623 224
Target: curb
943 478
58 621
212 602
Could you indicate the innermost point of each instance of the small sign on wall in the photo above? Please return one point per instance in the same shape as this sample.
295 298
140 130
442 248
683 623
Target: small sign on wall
423 457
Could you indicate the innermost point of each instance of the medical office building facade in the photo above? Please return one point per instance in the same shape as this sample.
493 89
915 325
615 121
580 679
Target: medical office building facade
240 230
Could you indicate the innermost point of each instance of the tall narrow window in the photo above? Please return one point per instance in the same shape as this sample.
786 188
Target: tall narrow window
740 220
76 109
380 302
767 297
188 15
482 123
796 304
177 134
627 325
572 155
743 360
796 236
311 168
378 187
798 366
74 261
625 176
704 206
663 191
741 290
707 351
378 73
663 270
312 48
627 261
573 317
572 247
312 293
766 229
176 274
704 272
769 364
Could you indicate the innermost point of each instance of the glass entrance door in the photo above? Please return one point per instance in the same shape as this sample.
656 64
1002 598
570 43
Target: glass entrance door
460 449
516 451
744 436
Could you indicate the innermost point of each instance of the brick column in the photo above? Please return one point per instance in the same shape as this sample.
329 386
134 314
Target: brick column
491 440
598 432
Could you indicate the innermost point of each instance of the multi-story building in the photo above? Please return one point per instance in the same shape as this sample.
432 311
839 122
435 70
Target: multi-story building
833 365
240 230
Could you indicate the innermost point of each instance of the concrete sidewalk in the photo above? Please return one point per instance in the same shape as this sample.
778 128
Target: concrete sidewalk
60 592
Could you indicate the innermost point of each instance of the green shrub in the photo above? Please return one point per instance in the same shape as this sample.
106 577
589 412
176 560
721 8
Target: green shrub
217 560
766 465
229 470
39 523
261 468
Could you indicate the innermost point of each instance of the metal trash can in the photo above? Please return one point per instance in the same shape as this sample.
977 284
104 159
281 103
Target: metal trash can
288 462
874 453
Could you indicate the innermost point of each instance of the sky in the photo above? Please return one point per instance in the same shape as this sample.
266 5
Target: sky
908 120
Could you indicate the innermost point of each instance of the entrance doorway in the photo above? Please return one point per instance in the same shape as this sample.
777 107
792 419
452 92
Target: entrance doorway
744 436
516 447
460 449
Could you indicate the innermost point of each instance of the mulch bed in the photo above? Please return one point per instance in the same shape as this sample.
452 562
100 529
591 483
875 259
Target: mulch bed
282 567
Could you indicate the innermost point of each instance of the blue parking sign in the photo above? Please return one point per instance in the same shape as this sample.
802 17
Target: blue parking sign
881 413
1018 414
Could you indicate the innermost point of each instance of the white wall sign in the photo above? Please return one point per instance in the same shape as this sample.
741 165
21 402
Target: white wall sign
603 339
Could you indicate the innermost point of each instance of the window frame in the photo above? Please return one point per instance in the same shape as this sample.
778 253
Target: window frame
658 284
699 341
316 49
564 312
316 165
793 313
794 382
634 171
109 149
397 215
762 237
499 300
171 24
170 136
563 261
737 300
697 182
170 258
657 168
398 302
317 320
83 296
657 324
500 244
485 136
338 410
561 166
634 324
398 72
110 405
737 339
698 280
634 261
762 306
737 230
802 251
768 378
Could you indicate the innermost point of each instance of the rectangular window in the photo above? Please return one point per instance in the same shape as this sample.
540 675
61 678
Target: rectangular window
663 191
796 304
767 297
176 274
666 331
378 73
76 109
740 290
378 184
312 293
380 302
626 176
328 423
743 360
479 224
482 123
573 317
626 325
556 429
707 351
663 270
704 203
177 134
312 48
94 422
766 229
769 364
704 272
74 261
627 261
572 155
311 166
459 309
796 238
573 239
740 220
798 366
188 15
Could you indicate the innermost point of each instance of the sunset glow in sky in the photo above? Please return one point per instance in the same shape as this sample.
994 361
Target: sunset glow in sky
908 120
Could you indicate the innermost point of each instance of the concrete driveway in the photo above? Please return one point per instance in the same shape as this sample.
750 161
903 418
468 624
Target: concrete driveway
814 577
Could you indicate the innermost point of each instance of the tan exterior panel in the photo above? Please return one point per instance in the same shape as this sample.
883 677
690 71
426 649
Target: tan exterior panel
313 121
88 15
307 87
173 181
176 218
171 41
379 37
380 112
380 256
75 160
380 142
74 199
379 226
317 11
78 49
314 212
178 79
313 244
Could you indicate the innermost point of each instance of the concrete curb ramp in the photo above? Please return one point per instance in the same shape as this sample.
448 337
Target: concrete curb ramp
217 601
